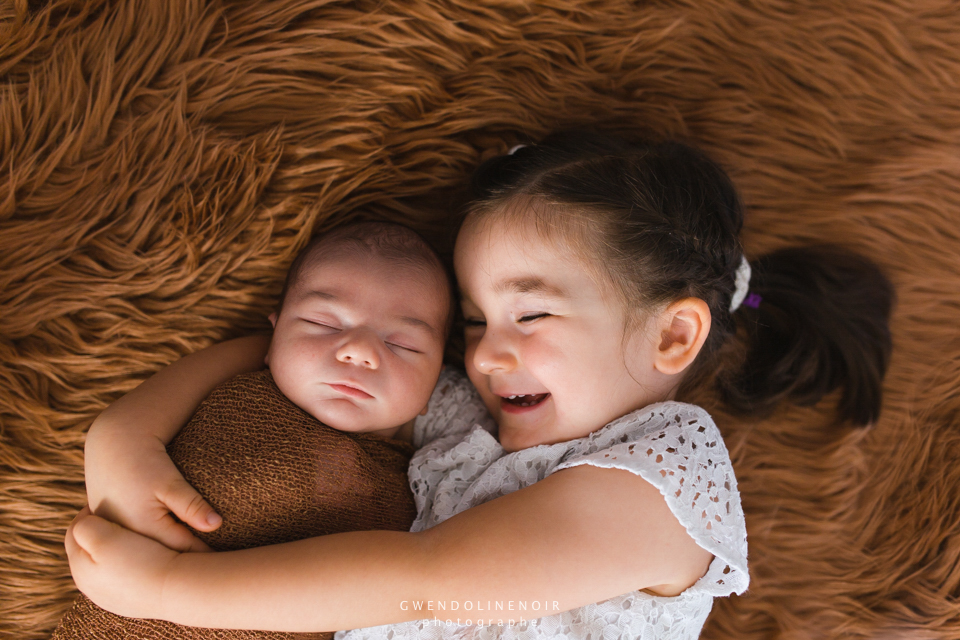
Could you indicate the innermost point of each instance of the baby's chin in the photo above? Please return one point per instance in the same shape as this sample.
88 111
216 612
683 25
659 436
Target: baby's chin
344 424
339 414
354 426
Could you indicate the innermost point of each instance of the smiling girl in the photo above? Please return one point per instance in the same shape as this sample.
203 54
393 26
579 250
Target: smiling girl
599 280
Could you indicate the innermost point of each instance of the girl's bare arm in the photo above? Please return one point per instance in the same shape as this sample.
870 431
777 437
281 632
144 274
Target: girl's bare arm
582 535
130 479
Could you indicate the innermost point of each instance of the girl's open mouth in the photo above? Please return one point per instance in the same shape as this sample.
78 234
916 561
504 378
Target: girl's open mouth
522 402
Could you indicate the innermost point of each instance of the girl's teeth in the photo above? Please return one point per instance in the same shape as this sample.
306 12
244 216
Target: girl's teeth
525 399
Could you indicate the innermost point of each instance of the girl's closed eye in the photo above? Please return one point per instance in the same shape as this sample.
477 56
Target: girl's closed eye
533 316
477 322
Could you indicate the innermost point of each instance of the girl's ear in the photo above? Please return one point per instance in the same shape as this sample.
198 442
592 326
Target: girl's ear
683 330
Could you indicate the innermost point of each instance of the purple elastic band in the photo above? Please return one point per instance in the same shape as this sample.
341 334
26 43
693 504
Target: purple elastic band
753 300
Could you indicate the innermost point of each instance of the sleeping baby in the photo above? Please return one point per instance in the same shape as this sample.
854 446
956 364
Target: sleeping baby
319 442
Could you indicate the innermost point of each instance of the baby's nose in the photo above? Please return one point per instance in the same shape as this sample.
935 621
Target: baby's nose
359 349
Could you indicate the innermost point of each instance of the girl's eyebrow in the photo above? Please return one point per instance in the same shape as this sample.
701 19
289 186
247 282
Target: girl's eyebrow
530 284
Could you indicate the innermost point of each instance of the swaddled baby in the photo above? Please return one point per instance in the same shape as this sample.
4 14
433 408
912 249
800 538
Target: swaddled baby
319 443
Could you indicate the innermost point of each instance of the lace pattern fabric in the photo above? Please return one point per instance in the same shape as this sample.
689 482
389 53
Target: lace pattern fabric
674 446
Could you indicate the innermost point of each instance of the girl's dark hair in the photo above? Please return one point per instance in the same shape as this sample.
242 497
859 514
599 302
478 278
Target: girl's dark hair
662 221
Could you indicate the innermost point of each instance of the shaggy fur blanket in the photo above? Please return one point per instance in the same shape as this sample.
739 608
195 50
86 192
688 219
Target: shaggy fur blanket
162 162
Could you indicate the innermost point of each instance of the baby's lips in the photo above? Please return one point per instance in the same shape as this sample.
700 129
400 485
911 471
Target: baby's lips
350 390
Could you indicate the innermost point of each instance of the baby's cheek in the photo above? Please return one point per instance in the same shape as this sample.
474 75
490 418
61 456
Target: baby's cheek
291 376
421 387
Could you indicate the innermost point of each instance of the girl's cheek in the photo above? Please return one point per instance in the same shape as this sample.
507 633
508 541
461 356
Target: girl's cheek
468 353
545 356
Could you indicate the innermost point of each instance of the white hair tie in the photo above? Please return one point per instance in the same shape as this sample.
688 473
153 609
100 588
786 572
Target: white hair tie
743 285
515 148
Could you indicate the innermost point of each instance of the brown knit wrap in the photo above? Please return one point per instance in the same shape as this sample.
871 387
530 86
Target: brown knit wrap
275 474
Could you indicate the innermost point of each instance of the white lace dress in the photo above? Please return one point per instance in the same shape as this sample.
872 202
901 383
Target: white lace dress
673 445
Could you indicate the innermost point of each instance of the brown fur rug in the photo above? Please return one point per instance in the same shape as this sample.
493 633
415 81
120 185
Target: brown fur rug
162 161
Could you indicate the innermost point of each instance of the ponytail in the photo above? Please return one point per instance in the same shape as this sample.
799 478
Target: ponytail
823 323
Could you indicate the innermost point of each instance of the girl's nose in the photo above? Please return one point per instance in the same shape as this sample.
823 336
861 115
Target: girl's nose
360 349
493 354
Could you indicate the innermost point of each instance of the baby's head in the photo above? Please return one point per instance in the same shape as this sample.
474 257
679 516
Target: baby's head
591 272
359 336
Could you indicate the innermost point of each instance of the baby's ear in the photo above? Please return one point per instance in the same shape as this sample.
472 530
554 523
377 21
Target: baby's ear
425 407
273 321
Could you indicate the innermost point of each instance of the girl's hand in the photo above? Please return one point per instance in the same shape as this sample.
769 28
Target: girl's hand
132 481
119 570
130 478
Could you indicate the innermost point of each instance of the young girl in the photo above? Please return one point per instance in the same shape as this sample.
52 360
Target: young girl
599 280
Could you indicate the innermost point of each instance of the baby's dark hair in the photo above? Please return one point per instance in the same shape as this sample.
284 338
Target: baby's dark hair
661 222
390 241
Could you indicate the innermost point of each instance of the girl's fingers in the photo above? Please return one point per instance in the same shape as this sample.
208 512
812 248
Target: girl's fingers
92 532
157 523
188 505
74 550
174 535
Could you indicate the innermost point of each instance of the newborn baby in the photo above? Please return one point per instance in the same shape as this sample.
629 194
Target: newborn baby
319 443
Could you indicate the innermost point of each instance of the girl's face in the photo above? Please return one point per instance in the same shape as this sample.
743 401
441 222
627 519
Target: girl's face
545 341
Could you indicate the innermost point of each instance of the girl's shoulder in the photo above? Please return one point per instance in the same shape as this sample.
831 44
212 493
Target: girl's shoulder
678 448
660 421
657 432
455 408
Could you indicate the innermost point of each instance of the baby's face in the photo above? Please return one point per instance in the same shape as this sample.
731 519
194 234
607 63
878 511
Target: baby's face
358 343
